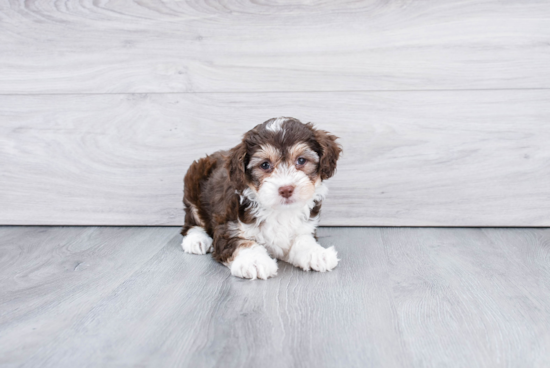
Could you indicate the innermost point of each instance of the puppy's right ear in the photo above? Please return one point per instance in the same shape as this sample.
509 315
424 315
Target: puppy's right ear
236 166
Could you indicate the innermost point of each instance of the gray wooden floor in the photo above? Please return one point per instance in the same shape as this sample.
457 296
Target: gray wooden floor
124 296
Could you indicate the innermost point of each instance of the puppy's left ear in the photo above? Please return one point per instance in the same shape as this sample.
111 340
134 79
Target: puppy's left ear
330 152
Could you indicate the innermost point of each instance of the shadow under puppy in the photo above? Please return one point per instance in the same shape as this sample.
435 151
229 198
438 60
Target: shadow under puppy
261 200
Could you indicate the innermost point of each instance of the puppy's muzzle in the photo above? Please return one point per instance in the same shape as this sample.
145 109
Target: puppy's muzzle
286 191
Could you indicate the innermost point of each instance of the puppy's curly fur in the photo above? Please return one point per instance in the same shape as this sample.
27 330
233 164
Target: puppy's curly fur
261 200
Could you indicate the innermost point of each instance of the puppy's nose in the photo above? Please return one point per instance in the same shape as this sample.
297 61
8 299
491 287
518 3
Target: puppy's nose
286 191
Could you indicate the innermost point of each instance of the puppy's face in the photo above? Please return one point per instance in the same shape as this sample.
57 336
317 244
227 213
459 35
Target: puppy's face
283 176
282 161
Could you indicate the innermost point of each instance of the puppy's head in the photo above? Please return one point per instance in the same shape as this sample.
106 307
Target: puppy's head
282 161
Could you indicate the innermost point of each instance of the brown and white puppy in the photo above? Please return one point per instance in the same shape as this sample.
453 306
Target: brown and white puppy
260 201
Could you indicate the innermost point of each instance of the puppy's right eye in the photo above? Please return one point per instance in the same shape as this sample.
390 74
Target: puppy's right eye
265 165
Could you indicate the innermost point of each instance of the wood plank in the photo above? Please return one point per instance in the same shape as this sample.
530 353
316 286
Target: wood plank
50 277
455 158
400 297
244 46
463 299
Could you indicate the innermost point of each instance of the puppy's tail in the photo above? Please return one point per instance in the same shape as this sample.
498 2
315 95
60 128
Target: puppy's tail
193 185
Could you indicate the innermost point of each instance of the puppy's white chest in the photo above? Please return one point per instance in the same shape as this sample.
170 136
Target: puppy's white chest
278 231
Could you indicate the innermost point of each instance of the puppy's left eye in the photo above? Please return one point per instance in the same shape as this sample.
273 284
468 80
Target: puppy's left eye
301 161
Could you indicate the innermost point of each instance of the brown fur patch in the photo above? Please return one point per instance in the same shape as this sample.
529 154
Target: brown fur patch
314 212
330 152
302 149
266 153
193 184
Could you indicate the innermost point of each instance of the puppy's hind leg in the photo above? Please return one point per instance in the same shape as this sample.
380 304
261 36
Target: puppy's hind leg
197 241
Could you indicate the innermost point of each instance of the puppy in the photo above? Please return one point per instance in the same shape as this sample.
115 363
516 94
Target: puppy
260 201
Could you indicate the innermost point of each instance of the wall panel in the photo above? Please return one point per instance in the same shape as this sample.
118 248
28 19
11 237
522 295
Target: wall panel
250 46
441 158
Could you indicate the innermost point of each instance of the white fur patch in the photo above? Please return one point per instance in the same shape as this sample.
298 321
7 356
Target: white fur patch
308 255
253 263
197 241
276 125
276 229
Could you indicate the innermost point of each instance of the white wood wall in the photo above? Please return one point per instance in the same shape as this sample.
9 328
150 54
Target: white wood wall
443 107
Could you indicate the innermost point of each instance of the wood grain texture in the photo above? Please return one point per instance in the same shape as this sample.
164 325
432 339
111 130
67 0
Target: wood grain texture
400 297
197 46
51 276
454 158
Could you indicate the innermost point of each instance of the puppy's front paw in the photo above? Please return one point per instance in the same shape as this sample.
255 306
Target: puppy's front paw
197 241
319 259
253 263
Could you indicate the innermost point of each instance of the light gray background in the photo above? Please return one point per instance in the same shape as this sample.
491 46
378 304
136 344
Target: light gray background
443 107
